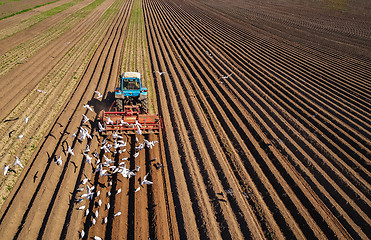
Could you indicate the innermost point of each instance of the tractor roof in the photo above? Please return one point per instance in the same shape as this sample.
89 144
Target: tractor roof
131 75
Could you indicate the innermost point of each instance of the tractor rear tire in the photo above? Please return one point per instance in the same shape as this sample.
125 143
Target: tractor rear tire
144 105
120 105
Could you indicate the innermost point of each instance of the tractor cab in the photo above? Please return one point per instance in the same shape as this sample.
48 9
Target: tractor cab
130 84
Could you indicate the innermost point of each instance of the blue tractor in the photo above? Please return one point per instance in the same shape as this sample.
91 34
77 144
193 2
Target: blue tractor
131 92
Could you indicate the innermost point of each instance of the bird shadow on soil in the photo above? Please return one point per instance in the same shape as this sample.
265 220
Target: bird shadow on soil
50 157
10 120
74 164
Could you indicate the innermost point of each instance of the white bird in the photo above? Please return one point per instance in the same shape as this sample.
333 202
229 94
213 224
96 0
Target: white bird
139 131
87 195
160 72
122 122
88 158
108 206
99 94
87 149
108 193
82 207
82 234
40 91
145 181
98 168
86 119
98 193
93 221
80 189
118 191
136 190
26 119
97 238
85 181
100 127
136 154
74 134
137 124
6 168
17 162
103 173
225 77
58 161
109 121
90 189
117 214
96 214
124 159
20 136
107 159
105 220
100 202
70 150
140 146
116 135
106 149
131 174
84 133
87 212
88 107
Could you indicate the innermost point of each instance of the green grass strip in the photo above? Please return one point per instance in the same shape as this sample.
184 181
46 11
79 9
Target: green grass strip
27 23
51 12
26 10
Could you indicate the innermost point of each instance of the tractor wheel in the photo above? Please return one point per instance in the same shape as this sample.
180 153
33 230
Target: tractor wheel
120 105
144 105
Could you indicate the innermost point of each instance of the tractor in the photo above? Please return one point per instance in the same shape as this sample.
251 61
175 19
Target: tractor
130 116
131 92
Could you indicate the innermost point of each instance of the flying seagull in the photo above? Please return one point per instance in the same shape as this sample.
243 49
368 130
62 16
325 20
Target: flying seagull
6 168
86 119
17 162
88 107
58 161
160 72
225 77
99 94
70 150
145 181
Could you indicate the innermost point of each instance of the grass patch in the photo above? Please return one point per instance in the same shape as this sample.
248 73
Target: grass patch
51 12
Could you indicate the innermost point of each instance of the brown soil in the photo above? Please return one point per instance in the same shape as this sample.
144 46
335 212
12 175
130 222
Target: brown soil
279 149
9 7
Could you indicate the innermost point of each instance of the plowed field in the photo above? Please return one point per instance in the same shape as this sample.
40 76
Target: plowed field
266 113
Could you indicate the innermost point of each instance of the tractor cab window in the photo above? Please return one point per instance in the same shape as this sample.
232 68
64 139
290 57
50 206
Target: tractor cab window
131 84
